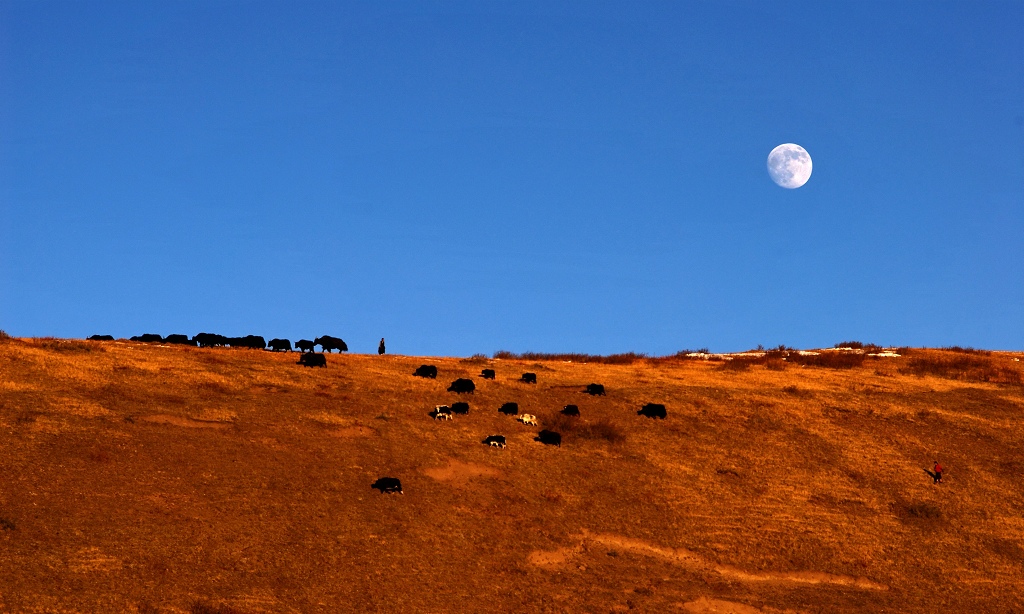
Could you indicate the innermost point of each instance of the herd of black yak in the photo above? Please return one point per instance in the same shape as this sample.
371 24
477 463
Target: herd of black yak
210 340
328 344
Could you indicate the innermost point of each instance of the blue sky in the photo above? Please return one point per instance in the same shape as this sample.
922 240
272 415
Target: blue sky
464 177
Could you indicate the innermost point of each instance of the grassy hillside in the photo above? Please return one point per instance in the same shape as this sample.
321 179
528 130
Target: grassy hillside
140 478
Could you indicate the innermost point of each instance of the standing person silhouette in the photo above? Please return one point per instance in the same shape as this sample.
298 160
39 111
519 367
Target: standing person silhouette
380 348
937 473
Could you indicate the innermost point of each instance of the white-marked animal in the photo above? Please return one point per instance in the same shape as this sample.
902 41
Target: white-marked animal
528 419
442 412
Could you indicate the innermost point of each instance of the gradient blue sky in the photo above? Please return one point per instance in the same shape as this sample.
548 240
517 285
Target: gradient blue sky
464 177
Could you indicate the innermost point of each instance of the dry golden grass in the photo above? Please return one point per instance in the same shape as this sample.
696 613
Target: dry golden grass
142 478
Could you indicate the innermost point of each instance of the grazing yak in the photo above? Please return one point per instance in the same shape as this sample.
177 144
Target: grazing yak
441 412
312 360
209 340
147 338
460 408
570 410
487 374
304 345
498 441
101 338
509 409
462 385
179 340
253 342
280 345
528 419
549 438
388 485
328 343
595 389
529 378
653 410
426 371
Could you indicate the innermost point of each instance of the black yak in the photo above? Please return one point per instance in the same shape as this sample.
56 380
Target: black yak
179 340
529 378
460 408
571 410
280 345
498 441
549 438
101 338
487 374
304 345
209 340
148 338
388 485
595 389
328 343
653 410
426 371
509 409
462 385
312 360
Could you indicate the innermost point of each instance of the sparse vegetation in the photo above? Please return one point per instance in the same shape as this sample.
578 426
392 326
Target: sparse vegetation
612 359
967 367
236 480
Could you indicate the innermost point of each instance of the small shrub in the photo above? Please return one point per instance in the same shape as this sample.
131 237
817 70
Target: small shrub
966 350
602 429
967 367
829 360
4 336
856 345
923 510
737 364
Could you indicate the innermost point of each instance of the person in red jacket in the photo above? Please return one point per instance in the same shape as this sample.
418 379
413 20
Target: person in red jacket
937 473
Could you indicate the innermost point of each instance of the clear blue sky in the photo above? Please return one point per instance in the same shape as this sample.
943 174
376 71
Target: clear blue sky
465 177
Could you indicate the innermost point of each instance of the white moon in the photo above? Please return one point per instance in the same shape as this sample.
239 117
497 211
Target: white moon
789 165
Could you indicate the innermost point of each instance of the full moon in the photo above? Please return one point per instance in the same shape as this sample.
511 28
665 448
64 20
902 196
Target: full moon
789 165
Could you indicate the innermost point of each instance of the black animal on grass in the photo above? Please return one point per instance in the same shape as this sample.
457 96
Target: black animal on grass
498 441
304 345
597 389
549 438
426 371
487 374
462 385
101 338
509 409
179 340
209 340
570 410
529 378
653 410
253 342
312 359
388 486
328 343
460 408
280 345
147 338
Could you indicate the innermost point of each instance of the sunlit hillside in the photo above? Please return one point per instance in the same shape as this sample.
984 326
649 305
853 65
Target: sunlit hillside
149 478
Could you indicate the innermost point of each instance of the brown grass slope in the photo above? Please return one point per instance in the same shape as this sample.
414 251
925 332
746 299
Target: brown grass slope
140 478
